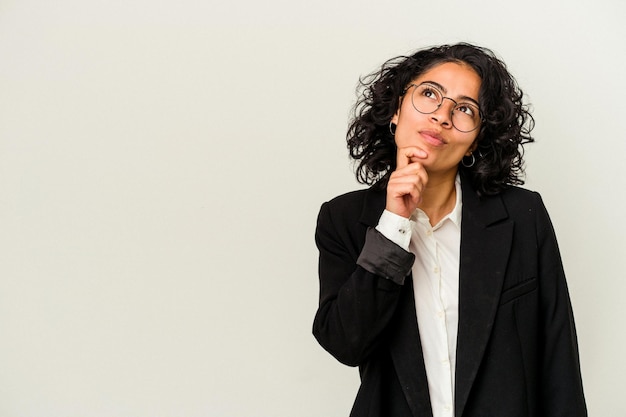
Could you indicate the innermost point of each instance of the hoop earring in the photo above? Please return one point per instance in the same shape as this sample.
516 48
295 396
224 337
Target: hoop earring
470 164
392 128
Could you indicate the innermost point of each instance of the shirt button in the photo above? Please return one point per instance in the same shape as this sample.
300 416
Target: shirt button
429 232
448 408
440 314
436 270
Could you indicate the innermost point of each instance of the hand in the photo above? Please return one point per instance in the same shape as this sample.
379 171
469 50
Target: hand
407 182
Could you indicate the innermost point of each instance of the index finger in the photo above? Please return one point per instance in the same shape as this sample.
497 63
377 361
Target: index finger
407 155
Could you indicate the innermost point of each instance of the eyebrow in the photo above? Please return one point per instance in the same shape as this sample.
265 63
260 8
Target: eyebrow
445 91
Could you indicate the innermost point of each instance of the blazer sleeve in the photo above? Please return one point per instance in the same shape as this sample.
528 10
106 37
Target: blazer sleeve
361 275
562 390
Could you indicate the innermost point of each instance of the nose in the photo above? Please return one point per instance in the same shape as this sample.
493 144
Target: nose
443 114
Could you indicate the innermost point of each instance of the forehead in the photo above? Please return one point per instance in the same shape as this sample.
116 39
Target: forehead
457 79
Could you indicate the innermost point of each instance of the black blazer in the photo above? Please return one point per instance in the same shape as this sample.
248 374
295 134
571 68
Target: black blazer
517 353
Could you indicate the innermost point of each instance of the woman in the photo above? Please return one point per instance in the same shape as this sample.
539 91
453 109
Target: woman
443 281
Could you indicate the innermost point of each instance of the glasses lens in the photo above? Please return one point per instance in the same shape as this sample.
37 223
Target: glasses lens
427 99
465 117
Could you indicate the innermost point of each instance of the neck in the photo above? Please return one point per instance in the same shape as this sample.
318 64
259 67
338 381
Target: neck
439 197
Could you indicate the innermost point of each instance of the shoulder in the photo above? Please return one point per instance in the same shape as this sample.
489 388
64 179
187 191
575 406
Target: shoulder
511 196
518 195
513 202
355 206
347 201
521 203
525 208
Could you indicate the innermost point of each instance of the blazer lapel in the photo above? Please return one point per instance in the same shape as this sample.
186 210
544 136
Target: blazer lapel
486 237
404 342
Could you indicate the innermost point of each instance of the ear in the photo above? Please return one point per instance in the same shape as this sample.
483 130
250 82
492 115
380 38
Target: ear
396 116
472 148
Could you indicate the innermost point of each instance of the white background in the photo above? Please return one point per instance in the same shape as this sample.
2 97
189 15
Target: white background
161 168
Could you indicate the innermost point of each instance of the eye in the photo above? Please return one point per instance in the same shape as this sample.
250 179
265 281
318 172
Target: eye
430 92
467 109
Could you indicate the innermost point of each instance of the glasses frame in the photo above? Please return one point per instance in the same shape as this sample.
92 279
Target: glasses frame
480 113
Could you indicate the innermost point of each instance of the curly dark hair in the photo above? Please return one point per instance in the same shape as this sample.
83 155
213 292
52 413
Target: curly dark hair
505 128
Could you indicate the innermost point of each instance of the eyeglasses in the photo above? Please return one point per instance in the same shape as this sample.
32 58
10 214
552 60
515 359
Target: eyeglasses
427 98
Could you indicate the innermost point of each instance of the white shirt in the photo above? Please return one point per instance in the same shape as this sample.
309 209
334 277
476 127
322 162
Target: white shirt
436 291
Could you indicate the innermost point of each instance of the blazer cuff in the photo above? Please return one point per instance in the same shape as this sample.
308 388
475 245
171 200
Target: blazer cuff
382 257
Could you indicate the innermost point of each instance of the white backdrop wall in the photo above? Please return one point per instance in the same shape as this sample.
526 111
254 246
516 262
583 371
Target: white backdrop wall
161 168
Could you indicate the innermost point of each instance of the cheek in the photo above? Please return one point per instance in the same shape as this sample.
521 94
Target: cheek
407 121
473 143
403 135
469 147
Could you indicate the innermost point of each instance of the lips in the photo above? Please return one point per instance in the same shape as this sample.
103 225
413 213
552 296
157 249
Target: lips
432 137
